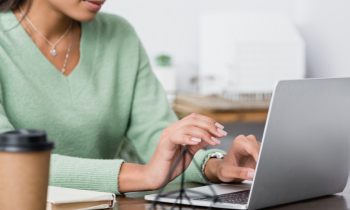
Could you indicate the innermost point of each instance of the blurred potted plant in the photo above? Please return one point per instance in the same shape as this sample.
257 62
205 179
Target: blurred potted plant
163 60
166 75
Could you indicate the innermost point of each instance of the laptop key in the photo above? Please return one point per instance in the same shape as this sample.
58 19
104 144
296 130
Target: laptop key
235 197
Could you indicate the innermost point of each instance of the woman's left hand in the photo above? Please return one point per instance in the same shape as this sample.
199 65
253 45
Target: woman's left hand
239 163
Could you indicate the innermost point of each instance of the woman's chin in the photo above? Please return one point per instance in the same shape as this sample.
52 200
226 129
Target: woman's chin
86 17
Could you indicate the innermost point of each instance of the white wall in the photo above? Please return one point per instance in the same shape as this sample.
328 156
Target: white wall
171 26
325 26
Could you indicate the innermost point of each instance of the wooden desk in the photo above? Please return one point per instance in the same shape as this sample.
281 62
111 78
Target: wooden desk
339 201
220 109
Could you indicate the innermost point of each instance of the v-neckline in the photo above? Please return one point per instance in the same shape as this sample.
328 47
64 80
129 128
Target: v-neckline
82 72
43 57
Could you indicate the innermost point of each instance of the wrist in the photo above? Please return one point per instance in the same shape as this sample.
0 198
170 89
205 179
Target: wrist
131 178
211 169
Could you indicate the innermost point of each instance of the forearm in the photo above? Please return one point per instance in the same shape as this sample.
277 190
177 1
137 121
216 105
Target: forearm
194 171
210 170
131 178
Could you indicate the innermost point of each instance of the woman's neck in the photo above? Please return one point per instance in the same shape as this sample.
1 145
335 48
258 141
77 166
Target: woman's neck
48 20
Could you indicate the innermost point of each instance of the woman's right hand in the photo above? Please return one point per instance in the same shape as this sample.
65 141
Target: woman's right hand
192 132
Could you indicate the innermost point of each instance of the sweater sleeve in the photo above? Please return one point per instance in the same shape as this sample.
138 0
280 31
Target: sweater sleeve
150 111
5 124
78 173
86 174
151 114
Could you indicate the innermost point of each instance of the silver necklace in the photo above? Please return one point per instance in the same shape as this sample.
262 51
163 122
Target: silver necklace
67 55
27 29
53 51
63 70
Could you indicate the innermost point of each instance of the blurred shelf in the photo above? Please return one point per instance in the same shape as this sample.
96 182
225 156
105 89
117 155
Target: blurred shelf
220 109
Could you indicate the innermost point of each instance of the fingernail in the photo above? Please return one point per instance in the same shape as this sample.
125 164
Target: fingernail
250 175
216 140
196 139
222 132
219 125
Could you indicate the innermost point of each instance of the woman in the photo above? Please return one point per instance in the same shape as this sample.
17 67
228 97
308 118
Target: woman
85 78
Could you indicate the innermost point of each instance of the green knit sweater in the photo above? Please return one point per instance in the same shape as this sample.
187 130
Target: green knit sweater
111 94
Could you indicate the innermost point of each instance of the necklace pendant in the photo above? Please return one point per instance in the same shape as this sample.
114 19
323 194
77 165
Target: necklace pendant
53 52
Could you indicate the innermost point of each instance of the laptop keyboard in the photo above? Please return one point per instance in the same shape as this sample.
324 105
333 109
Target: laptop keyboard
235 197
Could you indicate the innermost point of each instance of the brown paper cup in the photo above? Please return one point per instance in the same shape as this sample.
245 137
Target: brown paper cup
24 170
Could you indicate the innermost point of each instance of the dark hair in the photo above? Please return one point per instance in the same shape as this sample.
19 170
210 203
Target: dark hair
12 4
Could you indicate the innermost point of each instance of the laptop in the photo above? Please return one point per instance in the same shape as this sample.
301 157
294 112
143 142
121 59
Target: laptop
304 152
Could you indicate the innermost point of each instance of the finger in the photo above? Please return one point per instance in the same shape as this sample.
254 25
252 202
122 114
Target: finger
205 125
229 173
202 122
253 150
199 133
247 146
185 139
175 140
251 138
194 143
205 118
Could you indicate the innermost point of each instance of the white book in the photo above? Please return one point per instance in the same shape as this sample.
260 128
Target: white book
60 198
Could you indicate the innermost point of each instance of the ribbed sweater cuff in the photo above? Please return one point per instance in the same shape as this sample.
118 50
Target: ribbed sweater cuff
85 174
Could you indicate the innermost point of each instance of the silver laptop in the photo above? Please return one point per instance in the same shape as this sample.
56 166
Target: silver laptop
304 152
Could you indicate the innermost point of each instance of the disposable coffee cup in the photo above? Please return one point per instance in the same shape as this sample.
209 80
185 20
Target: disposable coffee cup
24 169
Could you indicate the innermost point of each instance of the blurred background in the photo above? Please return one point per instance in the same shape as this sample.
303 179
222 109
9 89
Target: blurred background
222 58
